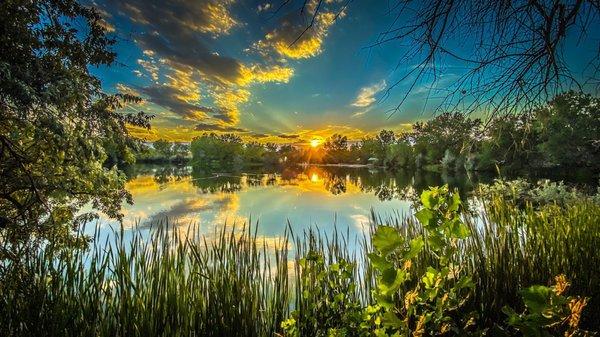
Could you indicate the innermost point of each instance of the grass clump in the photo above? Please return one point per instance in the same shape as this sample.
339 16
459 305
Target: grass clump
169 285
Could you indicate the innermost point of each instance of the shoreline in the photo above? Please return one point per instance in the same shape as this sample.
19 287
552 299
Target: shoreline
340 165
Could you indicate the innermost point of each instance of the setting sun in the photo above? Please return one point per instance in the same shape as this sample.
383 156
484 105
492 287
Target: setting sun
315 142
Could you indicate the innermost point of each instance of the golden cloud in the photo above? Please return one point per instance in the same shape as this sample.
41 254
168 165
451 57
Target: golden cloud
260 75
292 41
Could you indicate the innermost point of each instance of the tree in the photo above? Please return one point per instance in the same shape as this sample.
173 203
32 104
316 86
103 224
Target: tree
217 150
336 148
164 148
513 52
180 152
569 130
448 131
55 119
386 137
509 142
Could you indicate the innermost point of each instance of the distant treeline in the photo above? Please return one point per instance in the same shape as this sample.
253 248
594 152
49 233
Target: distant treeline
163 151
563 133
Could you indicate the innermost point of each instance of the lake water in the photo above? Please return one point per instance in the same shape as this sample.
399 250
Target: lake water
303 197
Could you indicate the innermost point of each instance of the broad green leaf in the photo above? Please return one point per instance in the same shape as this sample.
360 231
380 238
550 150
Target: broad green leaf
536 298
460 230
391 280
455 203
428 198
429 277
386 239
379 262
435 241
416 245
391 320
425 216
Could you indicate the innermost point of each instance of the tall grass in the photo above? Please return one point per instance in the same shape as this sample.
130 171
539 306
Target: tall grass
234 284
513 247
170 285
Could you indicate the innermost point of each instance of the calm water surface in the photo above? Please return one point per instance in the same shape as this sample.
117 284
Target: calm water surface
312 196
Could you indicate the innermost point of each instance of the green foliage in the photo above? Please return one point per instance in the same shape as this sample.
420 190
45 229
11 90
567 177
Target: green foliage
57 126
521 192
548 311
453 132
168 284
163 151
230 152
327 303
421 277
214 150
431 304
509 142
569 130
163 148
336 149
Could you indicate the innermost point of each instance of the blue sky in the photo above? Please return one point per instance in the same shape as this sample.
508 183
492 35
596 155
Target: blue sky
230 66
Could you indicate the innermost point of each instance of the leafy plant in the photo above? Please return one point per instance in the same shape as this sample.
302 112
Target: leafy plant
431 305
548 311
327 302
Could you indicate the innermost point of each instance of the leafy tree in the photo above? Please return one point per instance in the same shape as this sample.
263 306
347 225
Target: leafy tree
336 148
448 131
218 150
509 142
180 151
369 147
163 148
55 119
289 154
569 129
386 137
254 152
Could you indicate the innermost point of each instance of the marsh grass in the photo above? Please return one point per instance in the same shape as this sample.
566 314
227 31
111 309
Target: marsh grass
168 285
513 247
233 283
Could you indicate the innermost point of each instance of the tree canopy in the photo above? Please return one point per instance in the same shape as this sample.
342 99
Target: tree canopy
55 119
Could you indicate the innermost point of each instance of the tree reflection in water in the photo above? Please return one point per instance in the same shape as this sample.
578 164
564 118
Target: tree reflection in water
386 185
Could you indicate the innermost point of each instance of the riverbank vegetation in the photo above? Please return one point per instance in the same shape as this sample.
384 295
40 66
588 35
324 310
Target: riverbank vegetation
491 265
162 151
561 134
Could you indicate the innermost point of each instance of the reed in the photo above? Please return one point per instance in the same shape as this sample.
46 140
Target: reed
513 247
171 284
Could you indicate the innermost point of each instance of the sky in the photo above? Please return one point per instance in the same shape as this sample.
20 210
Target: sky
237 66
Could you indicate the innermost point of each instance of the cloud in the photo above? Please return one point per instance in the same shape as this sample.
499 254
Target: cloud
218 127
264 75
170 97
228 102
366 95
291 39
259 135
264 7
288 136
359 113
150 67
180 95
181 32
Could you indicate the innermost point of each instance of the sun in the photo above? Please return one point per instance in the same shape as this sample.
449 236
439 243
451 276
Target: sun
315 142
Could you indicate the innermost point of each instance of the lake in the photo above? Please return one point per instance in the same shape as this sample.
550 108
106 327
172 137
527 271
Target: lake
301 196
